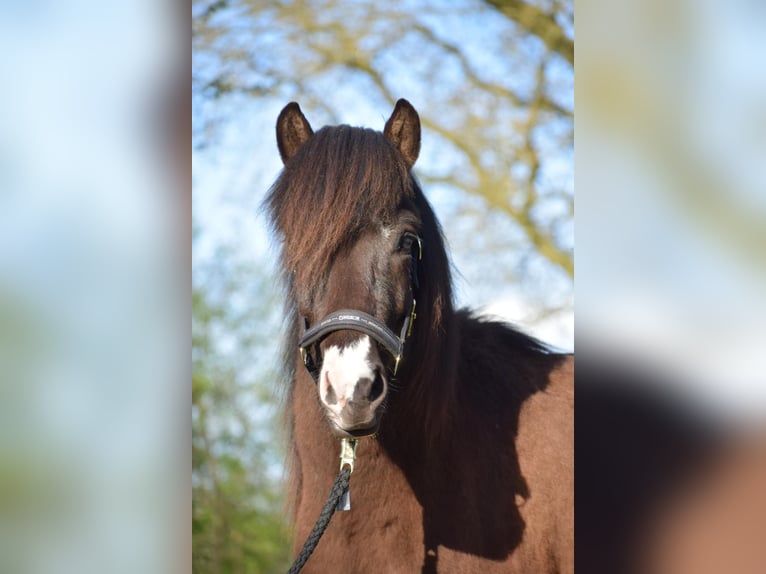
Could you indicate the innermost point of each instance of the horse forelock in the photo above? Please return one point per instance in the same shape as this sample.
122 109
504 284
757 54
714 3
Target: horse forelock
342 181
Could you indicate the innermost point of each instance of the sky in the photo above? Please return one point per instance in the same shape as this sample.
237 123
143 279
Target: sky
224 184
232 176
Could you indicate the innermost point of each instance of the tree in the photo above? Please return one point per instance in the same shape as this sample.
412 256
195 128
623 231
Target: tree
238 523
500 106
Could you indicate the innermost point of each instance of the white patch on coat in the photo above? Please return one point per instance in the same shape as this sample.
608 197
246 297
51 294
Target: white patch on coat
342 368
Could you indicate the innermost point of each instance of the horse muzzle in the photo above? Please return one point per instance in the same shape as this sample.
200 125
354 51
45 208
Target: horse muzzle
352 380
352 387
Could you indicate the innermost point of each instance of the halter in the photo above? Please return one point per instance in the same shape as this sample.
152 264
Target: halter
362 322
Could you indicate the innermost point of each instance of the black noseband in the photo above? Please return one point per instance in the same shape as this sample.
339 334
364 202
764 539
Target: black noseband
354 321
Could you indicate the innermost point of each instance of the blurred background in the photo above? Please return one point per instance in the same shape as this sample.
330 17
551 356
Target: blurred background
94 288
493 83
672 239
670 444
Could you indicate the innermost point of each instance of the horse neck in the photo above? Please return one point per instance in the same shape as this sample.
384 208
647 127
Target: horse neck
421 403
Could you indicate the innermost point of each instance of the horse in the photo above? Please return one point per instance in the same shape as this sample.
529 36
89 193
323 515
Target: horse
466 464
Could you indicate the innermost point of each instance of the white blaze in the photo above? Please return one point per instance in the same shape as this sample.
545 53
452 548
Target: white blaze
342 368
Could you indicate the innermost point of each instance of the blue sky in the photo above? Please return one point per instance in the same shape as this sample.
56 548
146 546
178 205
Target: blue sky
231 177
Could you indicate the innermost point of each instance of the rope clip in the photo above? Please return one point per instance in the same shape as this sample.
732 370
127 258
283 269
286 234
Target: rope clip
347 457
348 452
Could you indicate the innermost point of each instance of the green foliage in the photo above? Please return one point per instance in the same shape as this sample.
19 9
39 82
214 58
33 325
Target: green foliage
238 523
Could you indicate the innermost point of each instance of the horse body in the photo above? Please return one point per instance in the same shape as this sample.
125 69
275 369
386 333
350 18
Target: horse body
470 468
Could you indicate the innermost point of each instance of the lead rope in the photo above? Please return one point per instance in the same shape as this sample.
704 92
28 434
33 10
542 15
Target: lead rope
338 500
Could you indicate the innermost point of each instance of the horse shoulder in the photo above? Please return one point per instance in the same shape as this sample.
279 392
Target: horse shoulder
545 447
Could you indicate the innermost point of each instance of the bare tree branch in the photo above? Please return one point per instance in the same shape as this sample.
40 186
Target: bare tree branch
494 128
541 24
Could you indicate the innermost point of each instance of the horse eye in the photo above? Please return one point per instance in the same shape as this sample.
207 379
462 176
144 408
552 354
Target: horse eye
406 242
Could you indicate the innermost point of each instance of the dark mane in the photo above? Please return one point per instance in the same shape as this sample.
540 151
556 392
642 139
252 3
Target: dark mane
342 180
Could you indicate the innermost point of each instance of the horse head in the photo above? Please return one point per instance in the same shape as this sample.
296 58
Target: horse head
347 209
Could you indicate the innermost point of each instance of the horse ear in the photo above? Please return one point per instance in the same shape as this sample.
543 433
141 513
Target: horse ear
293 130
403 129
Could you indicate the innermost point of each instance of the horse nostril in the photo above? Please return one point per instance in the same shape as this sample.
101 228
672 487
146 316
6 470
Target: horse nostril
330 396
377 387
367 390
